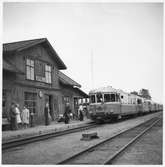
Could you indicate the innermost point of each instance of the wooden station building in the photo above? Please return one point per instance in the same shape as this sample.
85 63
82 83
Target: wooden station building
32 76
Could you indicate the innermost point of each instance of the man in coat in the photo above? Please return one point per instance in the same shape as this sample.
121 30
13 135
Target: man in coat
12 115
47 114
66 113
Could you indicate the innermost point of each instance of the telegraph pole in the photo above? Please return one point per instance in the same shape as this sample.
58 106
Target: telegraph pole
92 77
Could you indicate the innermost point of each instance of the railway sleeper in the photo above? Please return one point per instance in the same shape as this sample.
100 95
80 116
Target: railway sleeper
89 136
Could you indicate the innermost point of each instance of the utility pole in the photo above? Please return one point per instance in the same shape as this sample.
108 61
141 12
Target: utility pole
92 77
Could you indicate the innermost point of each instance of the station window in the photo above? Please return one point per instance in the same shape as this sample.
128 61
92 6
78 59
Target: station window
92 99
39 68
48 73
30 101
30 69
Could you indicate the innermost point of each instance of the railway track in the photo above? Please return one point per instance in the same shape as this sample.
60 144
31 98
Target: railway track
106 151
31 139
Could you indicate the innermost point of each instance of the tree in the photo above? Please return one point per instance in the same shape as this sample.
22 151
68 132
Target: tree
145 93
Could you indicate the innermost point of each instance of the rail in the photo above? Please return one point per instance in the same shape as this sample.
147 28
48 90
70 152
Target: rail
86 152
35 138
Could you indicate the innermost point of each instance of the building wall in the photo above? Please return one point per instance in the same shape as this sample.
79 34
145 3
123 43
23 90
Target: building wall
69 91
15 85
16 93
38 53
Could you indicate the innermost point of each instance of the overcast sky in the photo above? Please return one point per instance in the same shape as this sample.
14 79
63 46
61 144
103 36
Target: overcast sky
101 43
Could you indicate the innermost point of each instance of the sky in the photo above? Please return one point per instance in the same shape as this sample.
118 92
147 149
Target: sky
102 44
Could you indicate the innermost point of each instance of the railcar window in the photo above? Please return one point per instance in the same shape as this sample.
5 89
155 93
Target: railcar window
107 98
112 97
92 99
117 97
139 101
99 98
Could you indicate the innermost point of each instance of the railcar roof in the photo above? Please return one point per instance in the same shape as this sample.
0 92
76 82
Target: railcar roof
110 89
107 89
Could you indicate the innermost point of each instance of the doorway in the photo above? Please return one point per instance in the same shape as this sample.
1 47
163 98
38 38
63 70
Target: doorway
48 98
76 106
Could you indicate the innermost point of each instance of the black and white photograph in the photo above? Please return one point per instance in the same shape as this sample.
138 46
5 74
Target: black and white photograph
82 83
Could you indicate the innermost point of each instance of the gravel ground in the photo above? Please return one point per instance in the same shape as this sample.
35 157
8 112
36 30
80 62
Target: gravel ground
54 150
146 151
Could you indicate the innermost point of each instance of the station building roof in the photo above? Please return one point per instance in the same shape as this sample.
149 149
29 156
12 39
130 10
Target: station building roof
81 92
67 80
21 45
13 47
64 79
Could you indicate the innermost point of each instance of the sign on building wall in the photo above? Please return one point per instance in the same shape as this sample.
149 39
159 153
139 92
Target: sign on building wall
39 68
40 78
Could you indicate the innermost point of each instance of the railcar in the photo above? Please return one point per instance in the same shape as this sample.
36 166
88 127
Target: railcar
108 103
160 107
146 106
153 107
104 104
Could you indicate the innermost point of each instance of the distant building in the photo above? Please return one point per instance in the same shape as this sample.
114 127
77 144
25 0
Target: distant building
31 76
145 93
134 93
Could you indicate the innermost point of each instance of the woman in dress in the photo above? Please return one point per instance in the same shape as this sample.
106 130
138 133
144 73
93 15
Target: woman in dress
25 117
18 116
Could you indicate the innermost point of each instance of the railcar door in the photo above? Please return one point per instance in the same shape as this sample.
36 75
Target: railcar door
139 107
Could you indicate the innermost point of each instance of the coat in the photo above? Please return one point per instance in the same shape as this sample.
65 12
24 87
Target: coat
13 121
12 112
18 116
66 114
47 116
25 116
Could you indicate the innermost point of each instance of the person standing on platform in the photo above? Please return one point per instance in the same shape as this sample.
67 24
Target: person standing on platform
25 117
66 113
31 118
18 116
81 116
47 113
12 115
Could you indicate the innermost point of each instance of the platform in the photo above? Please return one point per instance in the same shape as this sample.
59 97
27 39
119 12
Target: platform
41 129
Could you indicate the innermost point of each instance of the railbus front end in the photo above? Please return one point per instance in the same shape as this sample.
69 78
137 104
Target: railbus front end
104 106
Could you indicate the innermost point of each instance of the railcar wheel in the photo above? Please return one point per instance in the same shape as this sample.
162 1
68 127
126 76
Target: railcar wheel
116 118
